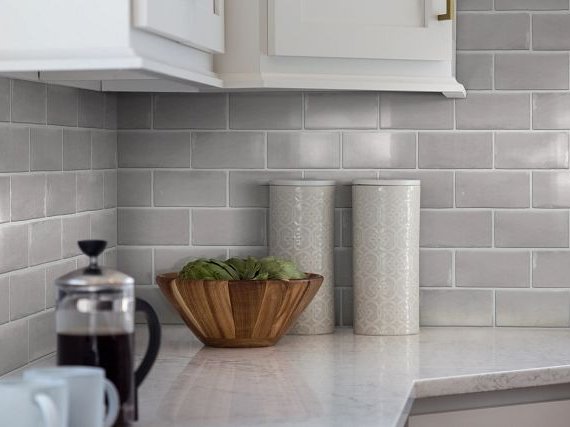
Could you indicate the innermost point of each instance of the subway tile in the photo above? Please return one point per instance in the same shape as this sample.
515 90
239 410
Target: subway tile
111 110
456 307
45 241
347 307
139 149
492 189
27 293
189 188
551 31
4 199
493 111
474 5
341 110
475 70
28 102
167 315
16 354
153 227
104 226
343 231
435 268
251 189
4 99
531 71
455 150
42 334
62 105
110 257
90 191
244 252
343 178
531 229
110 189
137 263
61 196
15 149
415 111
343 267
46 149
271 110
104 149
455 228
551 189
134 188
76 149
531 4
532 308
379 150
74 228
494 269
4 300
28 196
551 269
53 272
537 150
483 31
436 186
13 247
167 260
550 110
190 111
215 227
288 150
91 109
134 111
337 306
228 150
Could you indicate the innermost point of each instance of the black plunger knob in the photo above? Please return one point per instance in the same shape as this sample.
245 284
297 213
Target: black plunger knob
92 248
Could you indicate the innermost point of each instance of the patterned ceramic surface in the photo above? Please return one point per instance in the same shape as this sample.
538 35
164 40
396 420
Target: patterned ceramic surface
386 223
301 228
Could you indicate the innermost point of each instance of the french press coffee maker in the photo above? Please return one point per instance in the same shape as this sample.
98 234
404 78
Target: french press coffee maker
95 320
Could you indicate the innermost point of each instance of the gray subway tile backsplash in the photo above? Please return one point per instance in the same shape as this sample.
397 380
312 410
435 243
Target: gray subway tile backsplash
62 105
481 111
190 111
91 109
481 189
74 228
41 334
531 5
378 150
189 188
4 199
134 111
493 31
492 269
46 149
456 307
551 269
415 111
533 308
14 246
445 228
134 188
550 110
218 150
531 229
15 148
536 150
475 70
28 196
45 241
307 150
153 226
341 110
76 149
138 149
27 293
251 189
551 189
61 196
474 5
137 263
16 354
436 268
104 149
272 110
28 102
551 31
4 299
5 97
455 150
236 227
531 70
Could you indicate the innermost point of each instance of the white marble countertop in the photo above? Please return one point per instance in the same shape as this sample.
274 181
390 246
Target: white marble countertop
341 379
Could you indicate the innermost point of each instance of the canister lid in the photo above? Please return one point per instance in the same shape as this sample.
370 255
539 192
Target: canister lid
387 182
93 277
302 182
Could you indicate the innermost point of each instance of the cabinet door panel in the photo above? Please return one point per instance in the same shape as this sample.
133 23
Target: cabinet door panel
373 29
197 23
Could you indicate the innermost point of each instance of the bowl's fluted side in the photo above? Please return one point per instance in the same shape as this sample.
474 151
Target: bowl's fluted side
239 313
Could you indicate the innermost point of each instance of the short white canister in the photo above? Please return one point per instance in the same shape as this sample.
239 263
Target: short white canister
301 229
386 235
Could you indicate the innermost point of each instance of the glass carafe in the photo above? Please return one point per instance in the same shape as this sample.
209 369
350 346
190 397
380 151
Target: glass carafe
95 326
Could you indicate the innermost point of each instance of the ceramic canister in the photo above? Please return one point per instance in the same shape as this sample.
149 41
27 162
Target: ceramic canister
301 229
386 225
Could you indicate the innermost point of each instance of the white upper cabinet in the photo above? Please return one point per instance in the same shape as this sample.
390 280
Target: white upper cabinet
113 44
392 45
370 29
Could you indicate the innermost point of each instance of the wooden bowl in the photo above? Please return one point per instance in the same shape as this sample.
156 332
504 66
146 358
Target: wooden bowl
239 313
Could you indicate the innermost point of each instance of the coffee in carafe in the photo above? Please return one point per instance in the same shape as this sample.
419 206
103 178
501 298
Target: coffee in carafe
95 326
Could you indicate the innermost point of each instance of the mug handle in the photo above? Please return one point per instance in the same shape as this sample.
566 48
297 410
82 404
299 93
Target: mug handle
112 403
154 333
48 410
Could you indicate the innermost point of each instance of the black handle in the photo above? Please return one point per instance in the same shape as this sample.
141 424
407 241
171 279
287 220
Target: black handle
154 336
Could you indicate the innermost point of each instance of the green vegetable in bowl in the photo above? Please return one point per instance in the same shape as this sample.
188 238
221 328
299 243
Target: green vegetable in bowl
249 268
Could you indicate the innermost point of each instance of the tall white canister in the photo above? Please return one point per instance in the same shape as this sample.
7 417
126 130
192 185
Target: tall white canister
301 228
386 235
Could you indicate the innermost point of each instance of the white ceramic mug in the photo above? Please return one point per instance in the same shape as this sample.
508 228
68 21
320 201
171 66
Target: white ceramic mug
87 388
33 404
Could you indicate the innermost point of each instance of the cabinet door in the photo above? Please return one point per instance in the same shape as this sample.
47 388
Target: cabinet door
372 29
197 23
